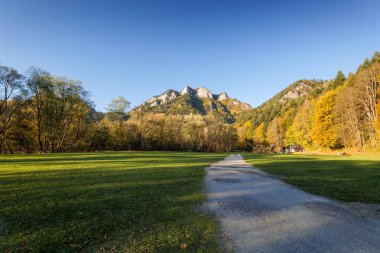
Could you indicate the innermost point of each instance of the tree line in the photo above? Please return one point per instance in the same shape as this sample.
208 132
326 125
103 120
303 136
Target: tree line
42 113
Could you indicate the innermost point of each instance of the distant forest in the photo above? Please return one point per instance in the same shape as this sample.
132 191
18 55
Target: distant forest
42 113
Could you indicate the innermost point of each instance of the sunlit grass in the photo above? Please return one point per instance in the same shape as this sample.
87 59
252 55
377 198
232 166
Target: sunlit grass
90 202
346 178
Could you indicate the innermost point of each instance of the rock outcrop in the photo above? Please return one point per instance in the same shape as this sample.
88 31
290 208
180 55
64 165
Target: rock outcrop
164 98
300 90
187 90
222 96
202 92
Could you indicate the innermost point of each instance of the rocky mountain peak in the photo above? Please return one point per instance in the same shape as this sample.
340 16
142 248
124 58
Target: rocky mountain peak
163 98
170 95
222 96
187 90
202 92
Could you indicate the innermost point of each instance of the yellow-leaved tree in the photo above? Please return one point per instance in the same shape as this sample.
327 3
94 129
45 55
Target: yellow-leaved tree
247 130
300 131
323 132
258 134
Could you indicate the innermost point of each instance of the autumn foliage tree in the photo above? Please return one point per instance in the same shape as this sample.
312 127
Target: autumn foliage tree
324 132
258 135
300 130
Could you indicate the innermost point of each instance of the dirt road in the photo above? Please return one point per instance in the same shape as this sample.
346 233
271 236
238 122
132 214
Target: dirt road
259 213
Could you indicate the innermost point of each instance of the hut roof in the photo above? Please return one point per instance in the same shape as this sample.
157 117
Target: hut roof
295 146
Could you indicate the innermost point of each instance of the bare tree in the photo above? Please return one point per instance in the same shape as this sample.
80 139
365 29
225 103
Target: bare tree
40 86
349 116
13 97
118 108
367 87
57 104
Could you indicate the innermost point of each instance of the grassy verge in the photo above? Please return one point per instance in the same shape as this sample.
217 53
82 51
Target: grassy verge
114 201
354 178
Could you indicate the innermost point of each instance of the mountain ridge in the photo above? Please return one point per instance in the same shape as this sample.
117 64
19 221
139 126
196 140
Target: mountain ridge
202 101
195 101
170 94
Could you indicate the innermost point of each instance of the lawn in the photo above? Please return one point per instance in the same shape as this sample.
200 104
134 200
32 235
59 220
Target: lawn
105 202
352 179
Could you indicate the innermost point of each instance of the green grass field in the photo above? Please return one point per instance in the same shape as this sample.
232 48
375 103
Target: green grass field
353 178
105 202
144 201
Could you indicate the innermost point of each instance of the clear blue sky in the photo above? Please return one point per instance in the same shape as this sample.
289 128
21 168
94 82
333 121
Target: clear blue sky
137 49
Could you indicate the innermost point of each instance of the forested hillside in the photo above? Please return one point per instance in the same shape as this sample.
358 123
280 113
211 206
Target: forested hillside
334 114
40 112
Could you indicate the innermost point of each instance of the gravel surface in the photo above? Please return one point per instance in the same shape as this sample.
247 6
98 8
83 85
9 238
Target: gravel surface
259 213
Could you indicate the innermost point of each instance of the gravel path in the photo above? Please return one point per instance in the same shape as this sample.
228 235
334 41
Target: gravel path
259 213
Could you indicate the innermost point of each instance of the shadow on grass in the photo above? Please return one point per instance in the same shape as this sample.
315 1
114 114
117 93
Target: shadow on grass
114 205
342 178
72 158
